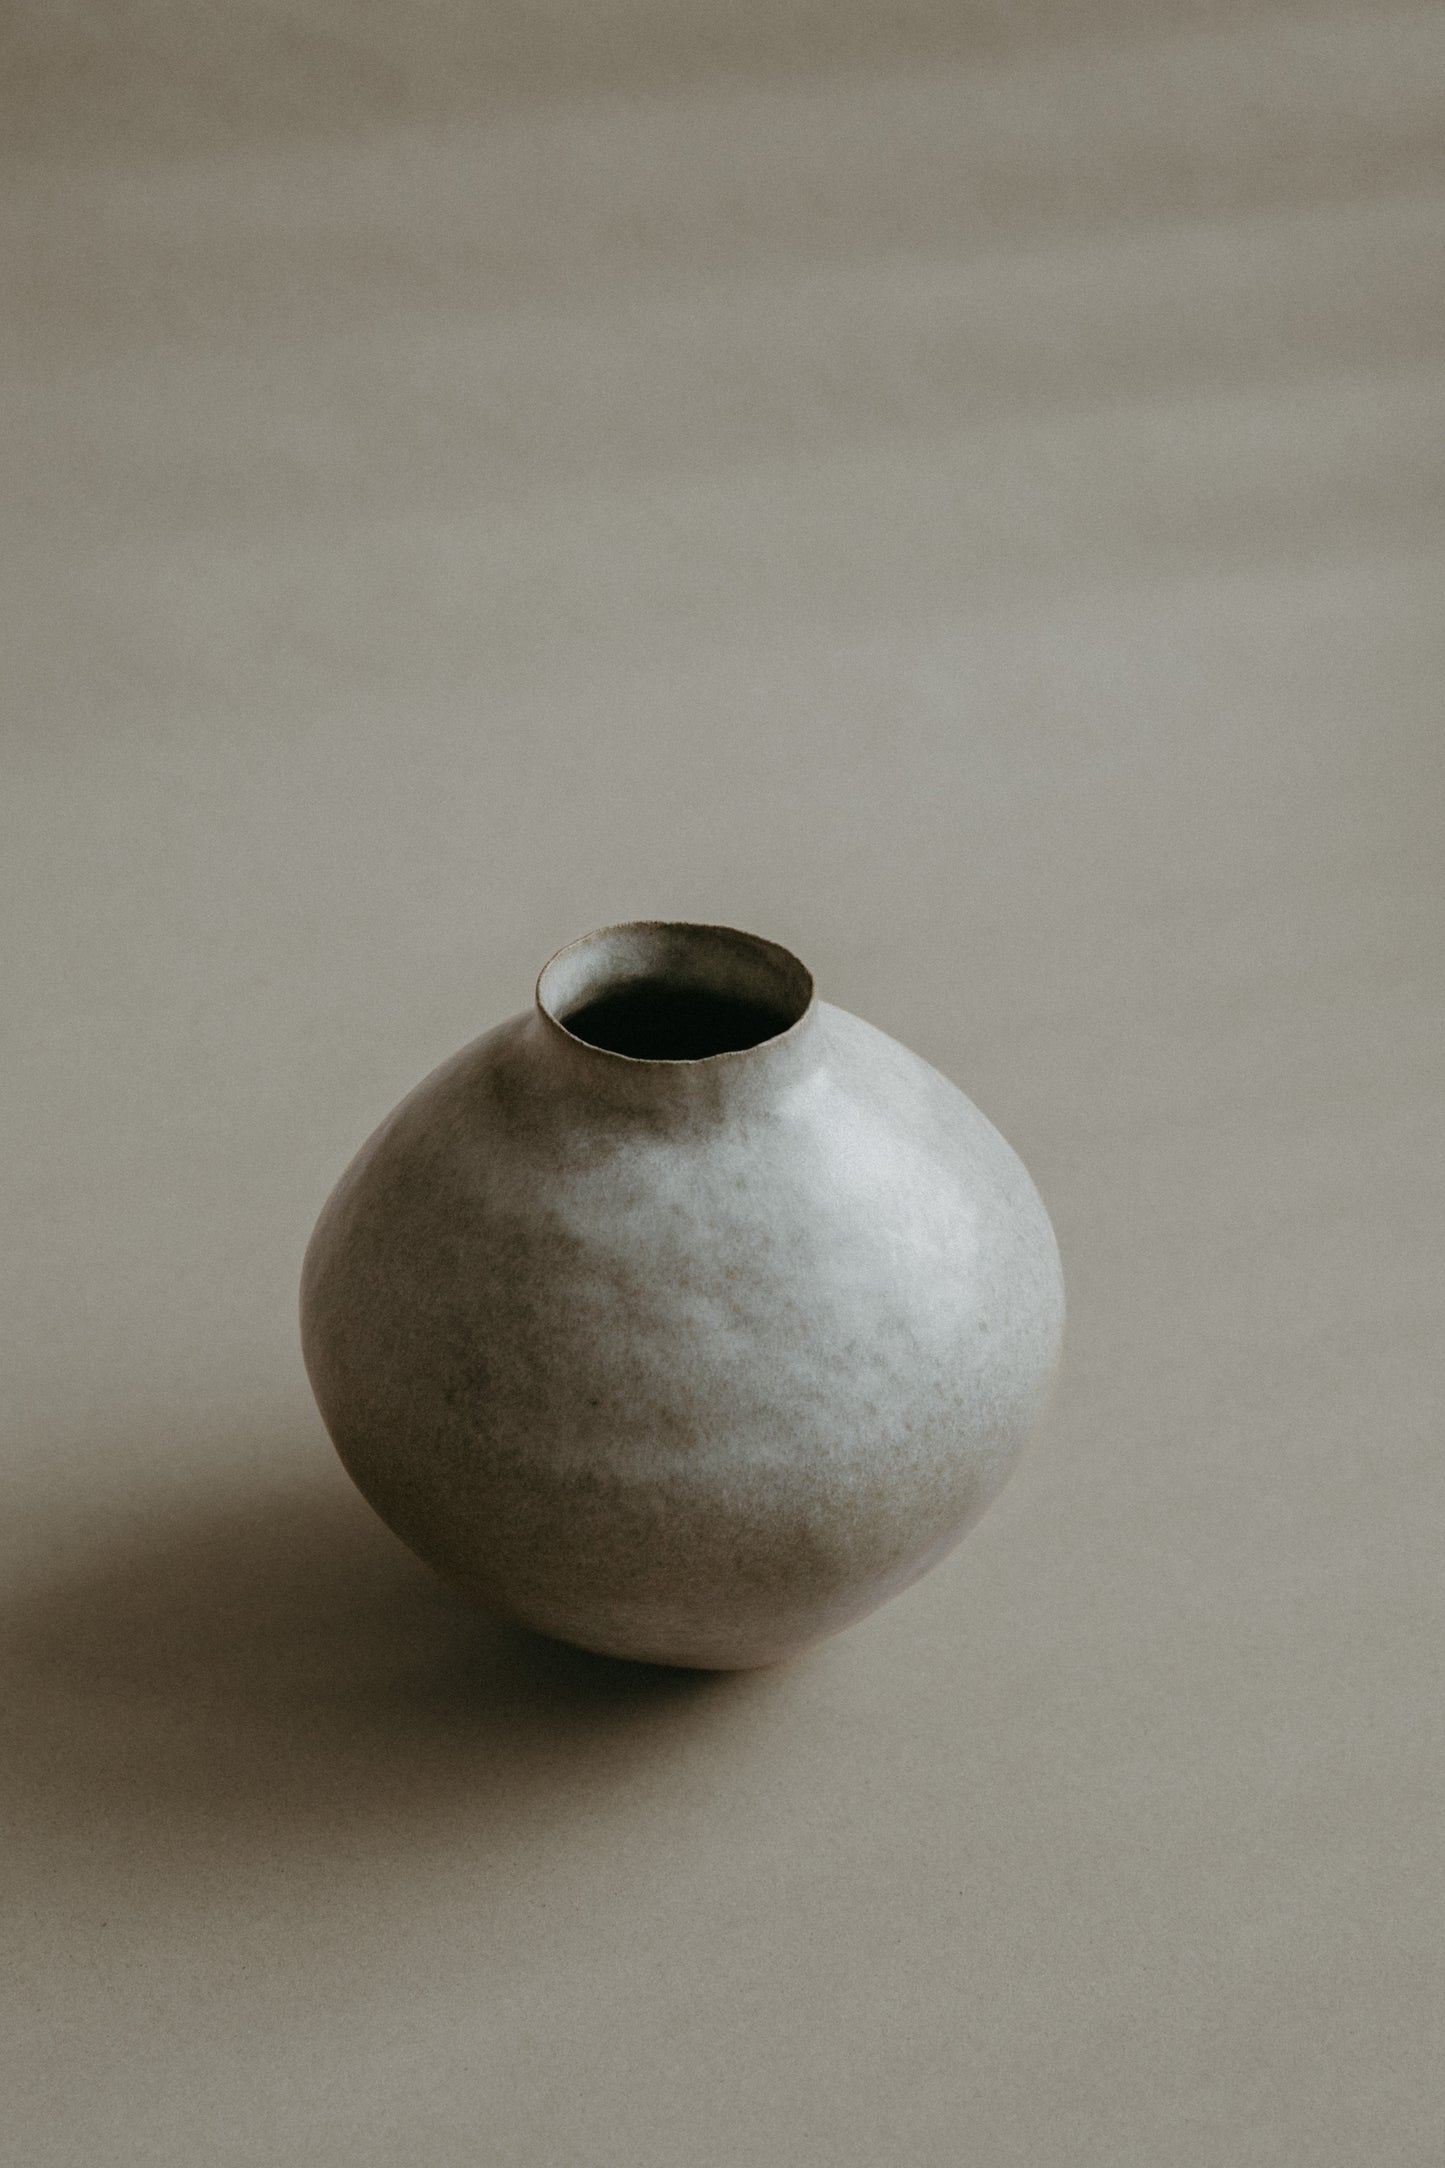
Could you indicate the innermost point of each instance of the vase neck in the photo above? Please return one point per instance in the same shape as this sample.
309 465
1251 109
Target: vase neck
672 1018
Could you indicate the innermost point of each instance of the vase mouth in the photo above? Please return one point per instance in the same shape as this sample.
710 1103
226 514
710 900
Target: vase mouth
666 993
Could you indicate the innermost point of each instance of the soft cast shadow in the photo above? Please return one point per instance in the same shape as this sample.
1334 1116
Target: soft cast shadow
278 1664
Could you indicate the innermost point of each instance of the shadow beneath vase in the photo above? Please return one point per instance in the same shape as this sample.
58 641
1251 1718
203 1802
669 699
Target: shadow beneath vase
264 1669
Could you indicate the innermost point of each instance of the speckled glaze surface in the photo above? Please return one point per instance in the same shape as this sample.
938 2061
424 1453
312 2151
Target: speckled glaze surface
689 1360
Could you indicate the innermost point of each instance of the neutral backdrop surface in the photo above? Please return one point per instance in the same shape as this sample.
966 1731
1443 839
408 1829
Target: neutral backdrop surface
959 490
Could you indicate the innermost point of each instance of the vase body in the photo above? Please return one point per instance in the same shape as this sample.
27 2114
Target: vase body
684 1316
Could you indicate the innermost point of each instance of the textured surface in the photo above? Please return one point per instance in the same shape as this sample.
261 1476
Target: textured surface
693 1362
962 494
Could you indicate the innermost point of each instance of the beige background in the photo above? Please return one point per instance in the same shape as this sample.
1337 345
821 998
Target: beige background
958 490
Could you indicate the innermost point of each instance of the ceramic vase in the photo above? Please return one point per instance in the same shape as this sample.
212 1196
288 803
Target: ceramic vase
684 1316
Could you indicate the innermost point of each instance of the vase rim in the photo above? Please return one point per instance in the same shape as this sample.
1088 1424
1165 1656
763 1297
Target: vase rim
722 962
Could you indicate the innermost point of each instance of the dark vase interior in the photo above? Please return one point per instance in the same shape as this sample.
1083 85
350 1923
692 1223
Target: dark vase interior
653 1021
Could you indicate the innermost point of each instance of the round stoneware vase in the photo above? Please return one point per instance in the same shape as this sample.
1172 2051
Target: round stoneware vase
683 1316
